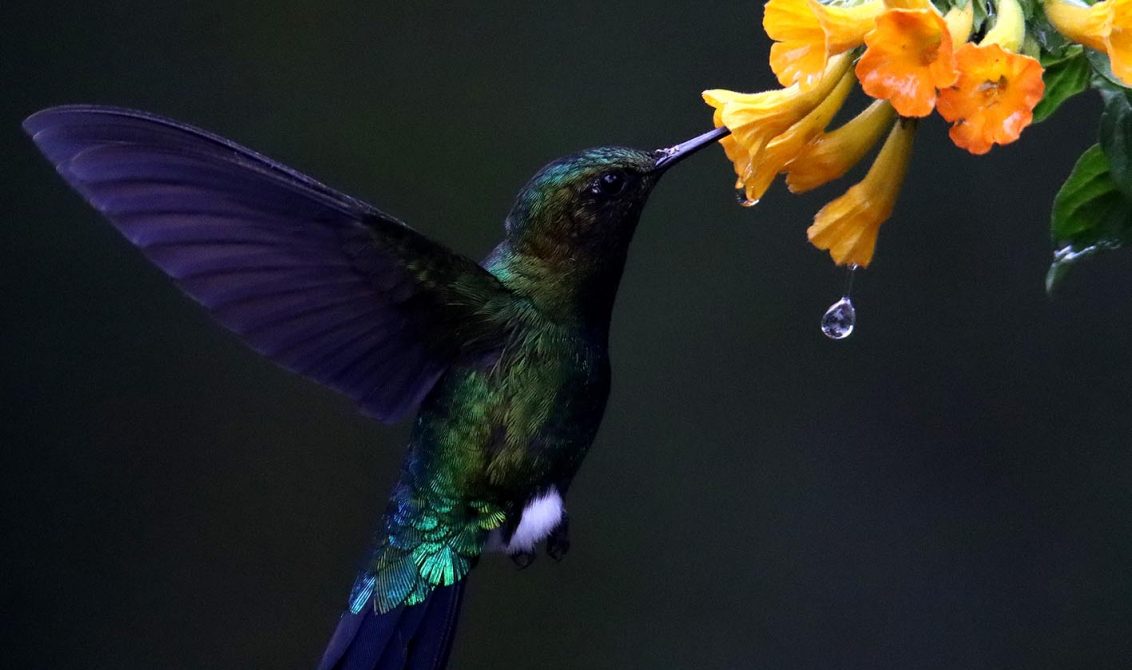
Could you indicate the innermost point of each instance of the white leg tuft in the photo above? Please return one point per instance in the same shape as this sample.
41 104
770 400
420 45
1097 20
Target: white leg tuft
541 516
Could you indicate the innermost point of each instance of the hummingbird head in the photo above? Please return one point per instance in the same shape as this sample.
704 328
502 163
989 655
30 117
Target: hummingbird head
569 230
583 201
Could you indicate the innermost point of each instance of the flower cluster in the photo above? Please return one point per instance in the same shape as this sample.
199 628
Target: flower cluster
977 62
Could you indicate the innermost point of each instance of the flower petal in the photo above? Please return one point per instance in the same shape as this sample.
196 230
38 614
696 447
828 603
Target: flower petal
799 53
1078 22
756 118
785 148
848 226
845 26
1118 42
994 98
830 155
909 56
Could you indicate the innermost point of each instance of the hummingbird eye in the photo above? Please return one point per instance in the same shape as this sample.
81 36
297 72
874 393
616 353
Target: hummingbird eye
609 184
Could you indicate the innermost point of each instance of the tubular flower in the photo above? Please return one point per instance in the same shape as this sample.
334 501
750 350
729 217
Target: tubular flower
799 52
786 147
807 33
994 98
846 25
959 22
848 226
757 118
1105 26
913 57
1009 26
830 155
909 56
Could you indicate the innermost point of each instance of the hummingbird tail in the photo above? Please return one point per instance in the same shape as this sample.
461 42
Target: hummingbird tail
416 637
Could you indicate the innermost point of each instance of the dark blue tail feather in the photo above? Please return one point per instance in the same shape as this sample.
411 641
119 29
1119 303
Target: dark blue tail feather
406 638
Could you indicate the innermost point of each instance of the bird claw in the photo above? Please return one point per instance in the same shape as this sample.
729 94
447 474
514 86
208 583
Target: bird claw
557 548
558 543
523 559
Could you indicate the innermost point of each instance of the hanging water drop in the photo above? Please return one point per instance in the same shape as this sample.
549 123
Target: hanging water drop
743 200
839 320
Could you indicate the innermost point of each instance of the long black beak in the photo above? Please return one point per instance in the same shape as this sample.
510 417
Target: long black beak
673 155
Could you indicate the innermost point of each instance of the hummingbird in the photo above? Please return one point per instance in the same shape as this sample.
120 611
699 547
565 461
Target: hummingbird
504 363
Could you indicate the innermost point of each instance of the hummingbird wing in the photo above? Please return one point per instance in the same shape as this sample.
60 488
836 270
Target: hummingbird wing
320 282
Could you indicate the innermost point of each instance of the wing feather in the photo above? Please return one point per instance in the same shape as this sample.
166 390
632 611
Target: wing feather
320 282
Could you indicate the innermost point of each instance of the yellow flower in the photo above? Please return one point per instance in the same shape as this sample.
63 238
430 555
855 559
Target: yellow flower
846 25
757 118
807 33
783 149
959 22
830 155
848 226
909 56
1105 26
799 51
1009 26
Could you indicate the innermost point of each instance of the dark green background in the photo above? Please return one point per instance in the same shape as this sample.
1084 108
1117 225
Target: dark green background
950 488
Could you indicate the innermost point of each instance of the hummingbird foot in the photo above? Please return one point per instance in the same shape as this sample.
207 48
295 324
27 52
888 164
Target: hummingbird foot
558 542
523 559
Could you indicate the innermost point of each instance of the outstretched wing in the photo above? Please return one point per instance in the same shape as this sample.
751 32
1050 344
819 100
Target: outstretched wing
321 283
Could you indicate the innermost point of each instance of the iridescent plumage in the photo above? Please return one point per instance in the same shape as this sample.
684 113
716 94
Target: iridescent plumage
500 430
507 362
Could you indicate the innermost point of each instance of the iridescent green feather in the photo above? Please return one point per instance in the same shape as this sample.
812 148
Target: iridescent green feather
517 419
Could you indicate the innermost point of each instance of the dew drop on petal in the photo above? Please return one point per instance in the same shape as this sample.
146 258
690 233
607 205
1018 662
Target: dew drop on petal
839 320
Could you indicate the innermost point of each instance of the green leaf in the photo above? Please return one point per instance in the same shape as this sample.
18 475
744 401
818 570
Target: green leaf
1090 214
1103 68
1116 136
1064 78
1052 44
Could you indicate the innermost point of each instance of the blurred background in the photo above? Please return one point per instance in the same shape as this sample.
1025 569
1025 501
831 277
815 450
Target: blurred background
951 487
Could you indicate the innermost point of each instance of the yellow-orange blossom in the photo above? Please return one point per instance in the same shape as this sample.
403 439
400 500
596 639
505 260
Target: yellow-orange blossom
910 64
1105 27
757 118
909 57
994 97
807 33
848 226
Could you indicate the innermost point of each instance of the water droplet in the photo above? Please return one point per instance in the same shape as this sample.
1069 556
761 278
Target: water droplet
1068 254
743 200
839 320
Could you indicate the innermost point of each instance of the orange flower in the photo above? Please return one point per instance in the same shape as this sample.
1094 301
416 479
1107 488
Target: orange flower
994 98
909 56
786 147
1105 26
757 118
832 154
807 33
848 226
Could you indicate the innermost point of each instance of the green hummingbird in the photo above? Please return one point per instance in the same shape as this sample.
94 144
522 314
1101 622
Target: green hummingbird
506 363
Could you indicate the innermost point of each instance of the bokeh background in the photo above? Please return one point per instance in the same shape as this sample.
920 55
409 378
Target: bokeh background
949 488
